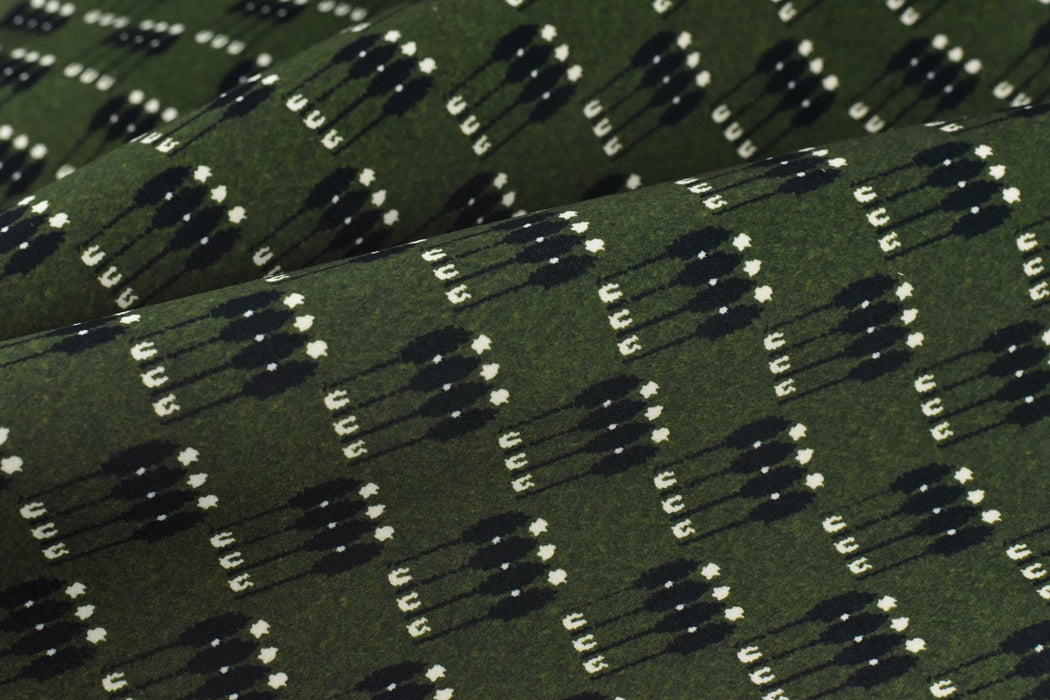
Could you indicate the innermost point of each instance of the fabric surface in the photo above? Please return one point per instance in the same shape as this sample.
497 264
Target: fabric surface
480 349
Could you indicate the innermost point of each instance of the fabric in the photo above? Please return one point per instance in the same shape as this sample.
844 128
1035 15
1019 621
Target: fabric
351 382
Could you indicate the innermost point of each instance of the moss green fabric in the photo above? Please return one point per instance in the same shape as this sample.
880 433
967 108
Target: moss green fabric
481 110
759 422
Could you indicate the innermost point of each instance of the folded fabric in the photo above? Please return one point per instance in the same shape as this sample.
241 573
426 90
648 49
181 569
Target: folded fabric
79 81
775 430
780 428
442 115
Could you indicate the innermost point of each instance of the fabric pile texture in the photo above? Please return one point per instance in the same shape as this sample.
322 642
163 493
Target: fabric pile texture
610 350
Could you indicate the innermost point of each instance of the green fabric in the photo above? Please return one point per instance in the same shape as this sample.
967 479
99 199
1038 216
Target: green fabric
772 429
406 163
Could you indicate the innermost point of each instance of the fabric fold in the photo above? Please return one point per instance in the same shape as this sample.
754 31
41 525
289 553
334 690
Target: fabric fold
442 115
767 429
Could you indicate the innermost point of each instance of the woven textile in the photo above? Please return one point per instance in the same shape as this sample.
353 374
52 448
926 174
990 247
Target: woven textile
524 349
